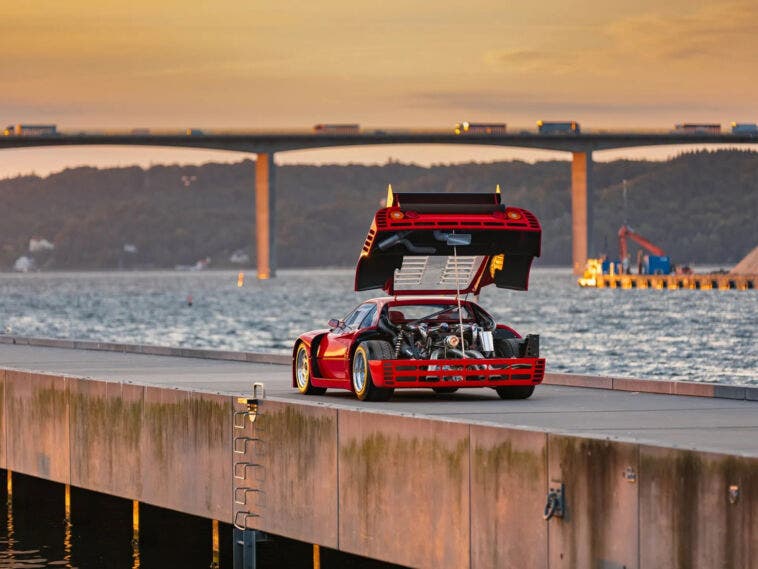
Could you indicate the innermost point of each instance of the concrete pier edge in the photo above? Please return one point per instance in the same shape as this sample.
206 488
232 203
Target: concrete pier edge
664 387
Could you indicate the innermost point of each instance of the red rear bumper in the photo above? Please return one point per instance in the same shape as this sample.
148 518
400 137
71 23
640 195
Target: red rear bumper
457 373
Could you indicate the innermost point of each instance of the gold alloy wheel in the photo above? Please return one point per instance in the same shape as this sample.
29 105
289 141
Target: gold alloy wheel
302 369
360 376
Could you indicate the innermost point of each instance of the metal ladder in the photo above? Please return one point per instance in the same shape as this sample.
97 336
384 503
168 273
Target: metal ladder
248 496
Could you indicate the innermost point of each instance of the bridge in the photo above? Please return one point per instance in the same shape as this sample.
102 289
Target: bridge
649 473
265 144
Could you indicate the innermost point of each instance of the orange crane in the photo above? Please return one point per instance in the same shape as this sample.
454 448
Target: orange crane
625 232
658 260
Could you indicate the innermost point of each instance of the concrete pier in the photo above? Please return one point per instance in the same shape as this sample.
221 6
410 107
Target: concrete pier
673 282
649 479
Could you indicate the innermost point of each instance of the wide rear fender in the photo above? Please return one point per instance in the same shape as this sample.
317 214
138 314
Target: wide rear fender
311 341
503 332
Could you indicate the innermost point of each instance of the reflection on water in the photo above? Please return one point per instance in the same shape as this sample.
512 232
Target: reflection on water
48 525
66 525
679 334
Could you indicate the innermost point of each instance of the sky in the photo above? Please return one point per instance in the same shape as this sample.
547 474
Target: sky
244 64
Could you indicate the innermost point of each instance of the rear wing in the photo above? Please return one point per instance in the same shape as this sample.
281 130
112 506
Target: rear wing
448 243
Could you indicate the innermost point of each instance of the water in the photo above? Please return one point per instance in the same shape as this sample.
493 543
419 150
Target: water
36 532
97 533
707 336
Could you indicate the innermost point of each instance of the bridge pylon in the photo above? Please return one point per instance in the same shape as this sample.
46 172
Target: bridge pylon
265 215
581 209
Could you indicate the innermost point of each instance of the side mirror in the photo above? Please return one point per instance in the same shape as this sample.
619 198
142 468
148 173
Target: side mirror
334 323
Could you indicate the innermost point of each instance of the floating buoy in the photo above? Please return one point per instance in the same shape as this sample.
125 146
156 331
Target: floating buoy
189 300
240 280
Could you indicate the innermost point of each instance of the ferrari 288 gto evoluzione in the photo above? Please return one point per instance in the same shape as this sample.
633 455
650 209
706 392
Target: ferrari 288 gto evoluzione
429 252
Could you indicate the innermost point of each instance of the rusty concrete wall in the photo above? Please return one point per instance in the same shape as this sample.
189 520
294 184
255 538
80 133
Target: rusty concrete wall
508 480
688 516
400 478
36 419
164 447
185 452
206 450
294 485
600 526
404 489
106 426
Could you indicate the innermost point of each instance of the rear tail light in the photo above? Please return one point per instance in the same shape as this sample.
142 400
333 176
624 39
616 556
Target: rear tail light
396 215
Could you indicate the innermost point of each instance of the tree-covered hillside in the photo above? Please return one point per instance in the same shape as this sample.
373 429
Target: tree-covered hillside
700 207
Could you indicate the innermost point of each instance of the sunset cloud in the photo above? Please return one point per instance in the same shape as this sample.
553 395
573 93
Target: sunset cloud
535 61
236 63
710 32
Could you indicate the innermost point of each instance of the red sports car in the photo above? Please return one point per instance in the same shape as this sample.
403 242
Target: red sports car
429 252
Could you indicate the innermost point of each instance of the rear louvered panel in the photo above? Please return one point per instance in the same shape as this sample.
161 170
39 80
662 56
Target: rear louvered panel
412 271
458 269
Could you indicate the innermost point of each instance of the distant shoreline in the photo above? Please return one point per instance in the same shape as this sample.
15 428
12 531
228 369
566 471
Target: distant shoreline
697 207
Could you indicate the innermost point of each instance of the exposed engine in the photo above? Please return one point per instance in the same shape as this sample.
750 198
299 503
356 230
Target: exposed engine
422 341
430 339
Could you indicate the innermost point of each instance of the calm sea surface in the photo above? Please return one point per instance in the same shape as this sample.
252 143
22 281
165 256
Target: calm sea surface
694 335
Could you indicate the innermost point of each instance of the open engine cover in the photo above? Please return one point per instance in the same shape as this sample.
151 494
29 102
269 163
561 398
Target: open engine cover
447 244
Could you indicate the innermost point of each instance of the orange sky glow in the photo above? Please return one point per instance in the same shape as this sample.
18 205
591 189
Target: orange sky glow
294 63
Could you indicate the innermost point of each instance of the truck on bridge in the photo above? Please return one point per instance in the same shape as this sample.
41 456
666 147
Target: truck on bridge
558 127
30 130
698 128
745 128
337 128
479 128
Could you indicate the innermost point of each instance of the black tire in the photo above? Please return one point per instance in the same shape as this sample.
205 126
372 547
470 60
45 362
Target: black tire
443 390
504 349
360 372
515 392
303 373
